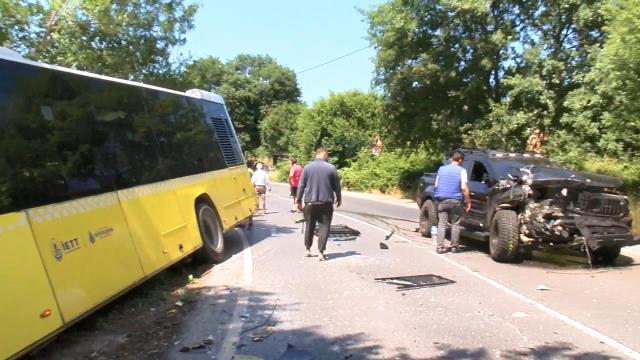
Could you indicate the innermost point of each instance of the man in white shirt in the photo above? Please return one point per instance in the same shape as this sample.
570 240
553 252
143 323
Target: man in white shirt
260 182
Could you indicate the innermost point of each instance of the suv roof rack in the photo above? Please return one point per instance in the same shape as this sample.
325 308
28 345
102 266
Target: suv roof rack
473 151
500 153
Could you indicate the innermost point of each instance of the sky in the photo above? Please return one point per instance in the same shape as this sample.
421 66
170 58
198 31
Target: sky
298 34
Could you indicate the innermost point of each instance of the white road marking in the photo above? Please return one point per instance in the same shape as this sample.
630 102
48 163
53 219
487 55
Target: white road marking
544 308
228 346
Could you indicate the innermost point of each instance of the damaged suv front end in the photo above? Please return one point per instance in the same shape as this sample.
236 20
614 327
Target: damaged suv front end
560 207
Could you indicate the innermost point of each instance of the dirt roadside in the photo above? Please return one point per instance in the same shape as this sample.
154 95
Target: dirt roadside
142 324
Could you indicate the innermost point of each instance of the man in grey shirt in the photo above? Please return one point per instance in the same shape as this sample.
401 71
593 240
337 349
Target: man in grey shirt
318 184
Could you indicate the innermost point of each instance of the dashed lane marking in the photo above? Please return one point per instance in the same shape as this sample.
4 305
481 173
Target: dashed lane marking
544 308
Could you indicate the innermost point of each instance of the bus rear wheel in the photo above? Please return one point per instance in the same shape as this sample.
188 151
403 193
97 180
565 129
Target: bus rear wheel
212 250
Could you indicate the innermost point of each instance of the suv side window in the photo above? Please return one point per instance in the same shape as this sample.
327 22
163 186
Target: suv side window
479 173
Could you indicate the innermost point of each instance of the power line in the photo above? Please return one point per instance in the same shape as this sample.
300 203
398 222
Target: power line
336 59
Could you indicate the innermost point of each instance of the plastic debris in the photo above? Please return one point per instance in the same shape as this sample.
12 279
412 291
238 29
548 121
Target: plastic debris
259 336
416 281
542 287
198 346
179 303
208 341
387 237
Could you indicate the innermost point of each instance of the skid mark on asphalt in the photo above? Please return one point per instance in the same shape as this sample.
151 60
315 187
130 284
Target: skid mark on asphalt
544 308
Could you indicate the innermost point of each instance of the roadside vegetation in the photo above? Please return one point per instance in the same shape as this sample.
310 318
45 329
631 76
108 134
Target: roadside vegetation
447 74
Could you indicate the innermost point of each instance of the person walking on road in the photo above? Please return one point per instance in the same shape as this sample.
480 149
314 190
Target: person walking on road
319 187
450 191
294 179
260 182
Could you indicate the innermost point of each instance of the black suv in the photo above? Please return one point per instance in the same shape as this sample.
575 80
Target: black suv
524 200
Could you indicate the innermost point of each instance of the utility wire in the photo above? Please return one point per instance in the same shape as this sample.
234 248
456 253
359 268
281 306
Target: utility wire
336 59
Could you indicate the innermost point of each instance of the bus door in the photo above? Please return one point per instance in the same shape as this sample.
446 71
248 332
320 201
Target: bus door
87 251
28 310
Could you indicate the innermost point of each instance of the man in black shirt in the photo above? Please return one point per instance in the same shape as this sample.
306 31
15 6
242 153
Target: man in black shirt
318 184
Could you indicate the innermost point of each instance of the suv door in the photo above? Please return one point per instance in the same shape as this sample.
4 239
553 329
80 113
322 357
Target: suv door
479 185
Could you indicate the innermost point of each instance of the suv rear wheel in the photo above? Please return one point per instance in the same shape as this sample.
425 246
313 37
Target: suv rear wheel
504 237
428 218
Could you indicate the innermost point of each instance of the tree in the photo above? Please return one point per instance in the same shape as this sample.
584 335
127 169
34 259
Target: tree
206 73
440 64
278 128
491 69
14 21
604 116
554 41
344 122
129 38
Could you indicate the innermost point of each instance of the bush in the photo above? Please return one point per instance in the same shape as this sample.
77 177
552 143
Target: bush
282 171
396 170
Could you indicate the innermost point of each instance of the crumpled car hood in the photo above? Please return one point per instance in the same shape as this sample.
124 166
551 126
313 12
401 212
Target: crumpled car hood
559 176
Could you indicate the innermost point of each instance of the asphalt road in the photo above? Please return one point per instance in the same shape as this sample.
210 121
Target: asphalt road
267 295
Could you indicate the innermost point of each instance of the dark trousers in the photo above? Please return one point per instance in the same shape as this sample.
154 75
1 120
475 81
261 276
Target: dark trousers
450 211
322 214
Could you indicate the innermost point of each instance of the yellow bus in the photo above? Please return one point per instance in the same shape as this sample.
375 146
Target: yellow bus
103 183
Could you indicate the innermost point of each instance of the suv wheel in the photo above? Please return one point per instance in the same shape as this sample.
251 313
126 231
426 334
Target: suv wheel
504 238
428 218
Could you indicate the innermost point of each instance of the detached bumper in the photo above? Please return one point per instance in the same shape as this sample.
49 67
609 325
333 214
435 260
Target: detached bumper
605 232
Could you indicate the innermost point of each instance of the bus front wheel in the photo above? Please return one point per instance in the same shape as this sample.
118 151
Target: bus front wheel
212 250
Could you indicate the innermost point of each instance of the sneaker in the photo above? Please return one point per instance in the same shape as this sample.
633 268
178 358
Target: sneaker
307 253
321 257
440 250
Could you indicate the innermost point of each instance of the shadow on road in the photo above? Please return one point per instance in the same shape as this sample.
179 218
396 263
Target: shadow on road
267 329
556 350
335 255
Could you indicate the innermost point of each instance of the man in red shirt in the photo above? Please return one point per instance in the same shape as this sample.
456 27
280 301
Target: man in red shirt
294 180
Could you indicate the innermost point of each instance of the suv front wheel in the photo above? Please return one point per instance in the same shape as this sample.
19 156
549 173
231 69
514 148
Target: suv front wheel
428 218
504 237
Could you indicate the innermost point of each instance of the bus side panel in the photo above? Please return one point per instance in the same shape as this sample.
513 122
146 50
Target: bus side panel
26 292
229 189
242 200
157 226
87 251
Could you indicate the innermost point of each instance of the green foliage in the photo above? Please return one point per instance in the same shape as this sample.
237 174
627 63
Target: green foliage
128 39
278 128
250 84
604 116
282 171
344 123
14 22
391 171
492 70
439 63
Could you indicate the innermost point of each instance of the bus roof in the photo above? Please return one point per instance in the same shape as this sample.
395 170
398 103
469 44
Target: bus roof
10 55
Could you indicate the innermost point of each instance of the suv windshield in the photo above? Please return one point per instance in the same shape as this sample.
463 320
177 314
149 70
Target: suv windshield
513 165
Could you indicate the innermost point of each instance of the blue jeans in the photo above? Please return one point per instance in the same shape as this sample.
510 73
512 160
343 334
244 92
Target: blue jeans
450 211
